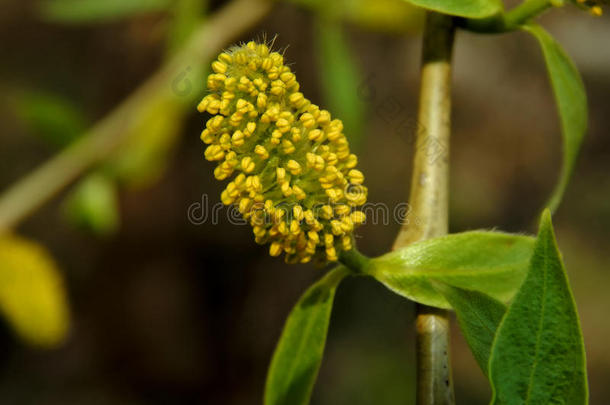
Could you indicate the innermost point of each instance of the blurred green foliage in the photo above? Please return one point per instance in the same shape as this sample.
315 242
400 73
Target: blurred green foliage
340 77
52 117
93 204
396 16
32 296
186 15
142 159
94 11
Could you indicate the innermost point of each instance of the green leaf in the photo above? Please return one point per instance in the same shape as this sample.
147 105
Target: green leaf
88 11
340 78
32 294
538 355
491 262
50 116
462 8
298 354
571 100
94 205
478 315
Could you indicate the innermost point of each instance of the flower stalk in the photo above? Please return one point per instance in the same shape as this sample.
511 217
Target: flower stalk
429 202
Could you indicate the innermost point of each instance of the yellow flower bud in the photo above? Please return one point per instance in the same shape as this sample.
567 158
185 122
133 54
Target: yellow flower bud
294 167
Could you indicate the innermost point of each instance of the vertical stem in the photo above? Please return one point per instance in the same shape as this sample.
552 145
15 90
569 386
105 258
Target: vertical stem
429 202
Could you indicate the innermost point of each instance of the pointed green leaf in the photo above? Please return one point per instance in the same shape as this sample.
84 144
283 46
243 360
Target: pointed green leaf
298 354
462 8
538 355
478 315
571 100
340 78
491 262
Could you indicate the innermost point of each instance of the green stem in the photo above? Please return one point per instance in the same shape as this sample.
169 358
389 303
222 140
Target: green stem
429 202
354 260
42 184
509 21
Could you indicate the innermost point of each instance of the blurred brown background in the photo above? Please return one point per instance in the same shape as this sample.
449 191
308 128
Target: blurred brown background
169 312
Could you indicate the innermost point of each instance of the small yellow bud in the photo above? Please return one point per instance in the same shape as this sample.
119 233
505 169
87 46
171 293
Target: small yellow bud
331 254
219 67
315 135
346 241
298 212
299 193
295 229
327 212
226 58
206 136
342 210
308 120
288 147
294 167
336 227
244 205
226 198
261 151
286 190
356 176
358 217
214 152
238 138
275 249
247 164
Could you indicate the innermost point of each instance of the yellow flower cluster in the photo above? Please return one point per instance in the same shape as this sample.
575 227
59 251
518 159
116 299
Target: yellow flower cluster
296 180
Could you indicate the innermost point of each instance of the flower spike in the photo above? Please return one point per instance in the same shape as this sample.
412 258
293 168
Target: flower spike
296 179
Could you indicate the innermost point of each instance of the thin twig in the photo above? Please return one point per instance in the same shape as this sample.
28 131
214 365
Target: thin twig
429 202
42 184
